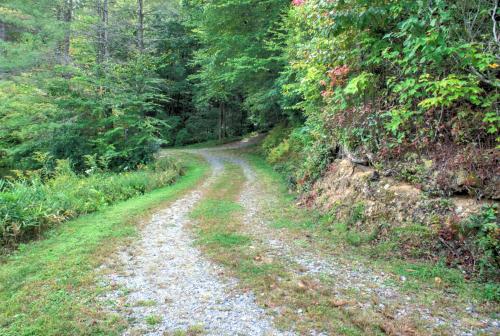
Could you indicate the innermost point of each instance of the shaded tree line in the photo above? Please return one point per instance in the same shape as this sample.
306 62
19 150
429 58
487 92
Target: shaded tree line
410 86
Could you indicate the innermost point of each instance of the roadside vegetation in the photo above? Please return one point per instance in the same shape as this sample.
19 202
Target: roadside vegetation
373 215
304 302
42 199
398 94
51 286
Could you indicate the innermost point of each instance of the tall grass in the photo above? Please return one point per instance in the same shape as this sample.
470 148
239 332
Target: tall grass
29 206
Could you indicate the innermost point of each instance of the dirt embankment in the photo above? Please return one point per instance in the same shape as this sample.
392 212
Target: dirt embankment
420 225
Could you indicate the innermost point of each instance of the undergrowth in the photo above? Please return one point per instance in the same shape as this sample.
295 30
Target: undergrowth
33 203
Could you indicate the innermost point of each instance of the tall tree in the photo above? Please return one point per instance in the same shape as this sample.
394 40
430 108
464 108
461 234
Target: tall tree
140 25
3 31
237 68
102 31
66 17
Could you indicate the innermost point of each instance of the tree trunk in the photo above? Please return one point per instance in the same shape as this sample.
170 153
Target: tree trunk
100 53
220 121
140 26
224 121
102 31
67 17
3 31
105 20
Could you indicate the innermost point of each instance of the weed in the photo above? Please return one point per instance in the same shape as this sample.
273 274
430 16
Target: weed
145 303
354 238
357 214
215 208
195 330
288 223
226 239
484 231
153 320
491 292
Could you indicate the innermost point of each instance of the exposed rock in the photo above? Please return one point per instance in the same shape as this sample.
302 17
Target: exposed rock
384 200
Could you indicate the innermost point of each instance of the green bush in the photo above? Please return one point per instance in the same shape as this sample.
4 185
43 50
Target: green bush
276 136
30 205
183 137
483 232
297 154
381 79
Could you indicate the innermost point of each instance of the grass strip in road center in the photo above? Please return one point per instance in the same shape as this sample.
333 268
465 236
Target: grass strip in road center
298 302
218 215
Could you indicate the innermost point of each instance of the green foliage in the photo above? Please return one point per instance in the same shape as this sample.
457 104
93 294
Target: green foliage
483 230
153 320
491 292
386 82
78 103
382 79
183 137
216 209
25 115
357 214
374 79
274 138
447 91
31 33
226 239
30 205
237 61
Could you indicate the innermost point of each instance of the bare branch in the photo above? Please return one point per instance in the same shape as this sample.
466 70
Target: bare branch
482 78
494 19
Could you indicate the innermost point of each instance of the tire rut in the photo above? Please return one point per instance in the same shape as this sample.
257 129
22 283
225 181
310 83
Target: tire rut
164 275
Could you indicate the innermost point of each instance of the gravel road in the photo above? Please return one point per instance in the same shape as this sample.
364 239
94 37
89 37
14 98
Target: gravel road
163 285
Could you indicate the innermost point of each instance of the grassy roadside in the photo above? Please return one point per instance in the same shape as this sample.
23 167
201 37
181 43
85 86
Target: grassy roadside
48 287
300 220
430 282
29 206
299 302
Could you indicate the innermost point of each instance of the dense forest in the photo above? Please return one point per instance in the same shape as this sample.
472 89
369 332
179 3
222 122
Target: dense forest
391 83
380 117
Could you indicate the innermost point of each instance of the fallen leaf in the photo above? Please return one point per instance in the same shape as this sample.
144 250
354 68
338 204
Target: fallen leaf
339 303
301 284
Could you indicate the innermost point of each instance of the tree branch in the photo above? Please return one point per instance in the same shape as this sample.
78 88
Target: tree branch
494 19
482 78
